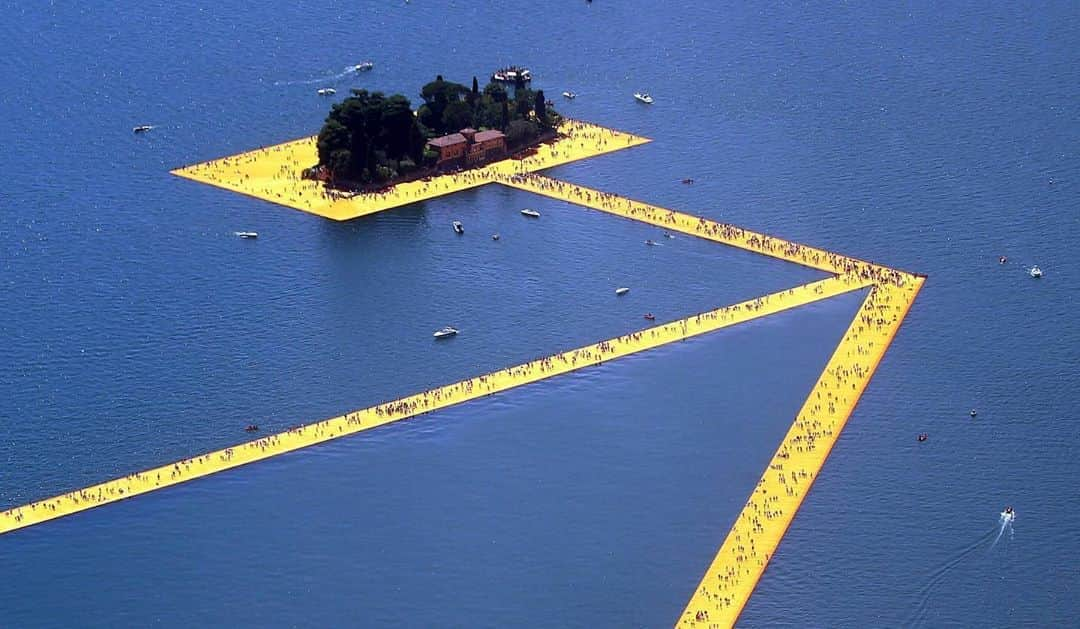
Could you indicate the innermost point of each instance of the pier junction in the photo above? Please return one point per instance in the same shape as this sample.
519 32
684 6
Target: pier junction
272 174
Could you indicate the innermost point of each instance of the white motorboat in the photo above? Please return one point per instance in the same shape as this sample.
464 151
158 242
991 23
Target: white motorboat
1035 272
512 74
327 91
1008 515
446 332
363 66
643 97
622 290
458 229
247 234
143 128
530 213
569 95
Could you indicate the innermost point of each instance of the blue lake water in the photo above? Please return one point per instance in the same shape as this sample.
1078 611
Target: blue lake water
136 329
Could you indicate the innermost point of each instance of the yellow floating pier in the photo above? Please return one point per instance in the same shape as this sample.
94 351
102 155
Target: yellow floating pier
272 174
425 402
752 540
724 233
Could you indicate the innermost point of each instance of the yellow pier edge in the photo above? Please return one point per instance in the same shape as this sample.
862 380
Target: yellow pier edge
272 174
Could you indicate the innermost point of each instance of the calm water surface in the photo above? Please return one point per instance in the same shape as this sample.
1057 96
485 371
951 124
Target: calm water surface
137 329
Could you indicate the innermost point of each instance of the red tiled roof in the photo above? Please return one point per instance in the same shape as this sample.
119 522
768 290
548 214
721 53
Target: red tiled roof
447 140
491 134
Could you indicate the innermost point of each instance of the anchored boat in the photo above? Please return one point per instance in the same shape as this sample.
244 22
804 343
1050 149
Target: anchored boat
247 234
458 229
326 91
643 97
1035 272
622 290
569 95
445 332
143 128
531 213
512 74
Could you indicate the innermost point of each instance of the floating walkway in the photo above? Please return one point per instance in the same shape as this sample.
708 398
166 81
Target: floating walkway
723 233
763 521
272 174
418 404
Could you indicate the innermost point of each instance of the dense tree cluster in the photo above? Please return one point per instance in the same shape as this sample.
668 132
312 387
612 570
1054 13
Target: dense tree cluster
370 137
450 107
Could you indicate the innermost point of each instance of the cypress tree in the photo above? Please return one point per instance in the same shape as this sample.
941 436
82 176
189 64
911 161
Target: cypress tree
540 107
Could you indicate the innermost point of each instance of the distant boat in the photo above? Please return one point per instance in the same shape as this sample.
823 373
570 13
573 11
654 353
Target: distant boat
1035 272
327 91
569 95
363 66
458 228
512 74
445 332
143 128
247 234
643 97
650 316
651 243
494 236
622 290
531 213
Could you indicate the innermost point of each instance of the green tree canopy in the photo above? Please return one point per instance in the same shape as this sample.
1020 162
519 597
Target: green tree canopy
333 136
540 107
437 96
489 115
457 116
521 131
366 124
496 91
373 137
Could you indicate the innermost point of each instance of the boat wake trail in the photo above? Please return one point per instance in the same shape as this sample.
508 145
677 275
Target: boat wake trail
926 593
326 78
1006 526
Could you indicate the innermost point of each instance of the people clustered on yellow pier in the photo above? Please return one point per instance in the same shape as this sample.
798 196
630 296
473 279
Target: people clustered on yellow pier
761 524
273 173
712 230
411 406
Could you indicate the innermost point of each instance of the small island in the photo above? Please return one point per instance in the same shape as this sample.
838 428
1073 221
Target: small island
373 141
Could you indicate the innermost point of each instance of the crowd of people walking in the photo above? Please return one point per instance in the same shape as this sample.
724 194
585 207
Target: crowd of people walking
773 502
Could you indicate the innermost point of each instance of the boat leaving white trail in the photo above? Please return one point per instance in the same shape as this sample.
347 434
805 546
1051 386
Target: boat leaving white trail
1007 518
326 78
987 541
